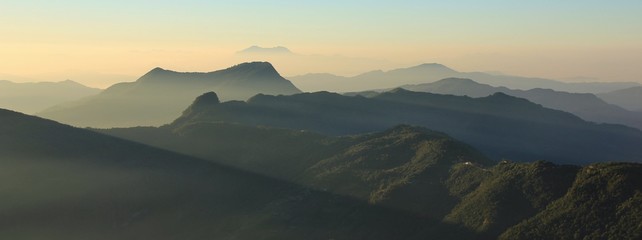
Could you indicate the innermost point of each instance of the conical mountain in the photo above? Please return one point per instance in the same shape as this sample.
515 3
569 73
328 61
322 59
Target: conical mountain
161 95
202 102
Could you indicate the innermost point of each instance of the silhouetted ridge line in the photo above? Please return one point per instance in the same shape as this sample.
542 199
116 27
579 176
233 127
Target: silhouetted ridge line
159 96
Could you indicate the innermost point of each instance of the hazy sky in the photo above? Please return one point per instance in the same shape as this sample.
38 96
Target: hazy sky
101 42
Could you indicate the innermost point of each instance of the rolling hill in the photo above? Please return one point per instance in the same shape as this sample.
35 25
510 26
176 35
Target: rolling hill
160 95
31 97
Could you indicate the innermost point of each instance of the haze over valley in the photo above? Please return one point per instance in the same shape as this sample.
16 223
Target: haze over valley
320 120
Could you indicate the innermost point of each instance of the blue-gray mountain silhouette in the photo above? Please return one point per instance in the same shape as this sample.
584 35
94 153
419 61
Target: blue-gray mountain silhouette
32 97
629 98
431 72
161 95
500 125
263 50
585 105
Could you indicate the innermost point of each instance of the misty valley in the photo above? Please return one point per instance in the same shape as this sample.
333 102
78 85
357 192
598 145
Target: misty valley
424 152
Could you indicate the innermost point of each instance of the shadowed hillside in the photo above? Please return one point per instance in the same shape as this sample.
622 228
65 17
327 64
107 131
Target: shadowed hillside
60 182
604 202
401 168
405 168
501 126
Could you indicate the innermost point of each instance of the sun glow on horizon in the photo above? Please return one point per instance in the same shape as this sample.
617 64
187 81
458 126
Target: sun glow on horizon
101 43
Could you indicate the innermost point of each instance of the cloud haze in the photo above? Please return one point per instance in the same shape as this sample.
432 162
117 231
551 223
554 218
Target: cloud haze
534 38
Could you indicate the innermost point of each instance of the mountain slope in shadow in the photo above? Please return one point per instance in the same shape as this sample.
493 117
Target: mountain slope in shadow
401 168
60 182
406 168
499 125
600 193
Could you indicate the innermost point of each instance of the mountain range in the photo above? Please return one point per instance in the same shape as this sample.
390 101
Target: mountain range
241 153
60 182
501 126
584 105
264 50
32 97
629 98
160 95
412 169
431 72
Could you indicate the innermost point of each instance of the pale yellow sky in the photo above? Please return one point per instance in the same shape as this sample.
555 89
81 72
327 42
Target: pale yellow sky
101 43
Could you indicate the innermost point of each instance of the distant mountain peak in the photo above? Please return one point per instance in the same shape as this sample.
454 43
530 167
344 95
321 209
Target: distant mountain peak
264 69
399 90
457 81
208 98
253 65
431 65
265 50
320 75
202 102
501 95
247 69
154 72
158 70
434 66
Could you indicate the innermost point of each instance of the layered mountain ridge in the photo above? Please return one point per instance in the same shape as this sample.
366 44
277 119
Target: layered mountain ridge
60 182
253 158
499 125
160 95
585 105
407 168
629 98
432 72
